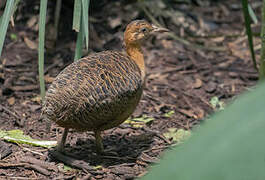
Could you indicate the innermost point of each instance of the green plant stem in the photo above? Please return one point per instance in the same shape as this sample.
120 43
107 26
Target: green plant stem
77 15
79 41
5 21
262 60
85 12
42 20
248 31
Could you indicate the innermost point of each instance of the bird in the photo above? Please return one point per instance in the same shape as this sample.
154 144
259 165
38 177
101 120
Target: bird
100 91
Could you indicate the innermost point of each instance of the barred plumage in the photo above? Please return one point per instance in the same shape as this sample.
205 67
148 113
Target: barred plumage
102 90
97 92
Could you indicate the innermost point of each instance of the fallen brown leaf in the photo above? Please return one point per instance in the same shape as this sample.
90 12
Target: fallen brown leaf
11 101
197 84
31 44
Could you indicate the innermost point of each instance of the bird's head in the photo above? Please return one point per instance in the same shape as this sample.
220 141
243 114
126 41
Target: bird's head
139 30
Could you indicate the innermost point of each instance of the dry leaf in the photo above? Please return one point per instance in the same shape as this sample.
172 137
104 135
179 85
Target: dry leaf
188 113
48 79
167 44
218 39
115 22
31 44
32 21
197 84
11 101
199 113
36 99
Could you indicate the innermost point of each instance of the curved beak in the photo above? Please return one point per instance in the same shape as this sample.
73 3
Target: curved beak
159 29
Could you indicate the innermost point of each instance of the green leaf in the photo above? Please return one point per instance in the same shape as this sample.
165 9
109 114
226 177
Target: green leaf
85 12
13 37
216 103
169 113
139 122
97 167
262 58
228 146
42 20
79 42
252 14
248 30
5 21
17 136
67 168
77 15
177 136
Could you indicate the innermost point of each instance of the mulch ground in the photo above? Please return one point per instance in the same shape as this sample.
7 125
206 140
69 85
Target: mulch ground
181 78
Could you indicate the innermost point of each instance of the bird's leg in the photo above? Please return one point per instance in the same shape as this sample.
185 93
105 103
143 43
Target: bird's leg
61 142
99 145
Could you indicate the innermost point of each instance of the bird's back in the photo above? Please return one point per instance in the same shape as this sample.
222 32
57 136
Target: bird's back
97 92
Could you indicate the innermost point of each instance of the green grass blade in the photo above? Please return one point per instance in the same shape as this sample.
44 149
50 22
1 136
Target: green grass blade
252 14
85 12
77 15
79 41
42 20
5 21
262 60
248 30
228 146
15 6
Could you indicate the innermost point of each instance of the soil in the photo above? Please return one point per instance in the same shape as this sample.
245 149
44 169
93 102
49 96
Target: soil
181 78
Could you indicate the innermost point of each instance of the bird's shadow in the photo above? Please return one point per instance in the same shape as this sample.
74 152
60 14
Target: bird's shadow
120 146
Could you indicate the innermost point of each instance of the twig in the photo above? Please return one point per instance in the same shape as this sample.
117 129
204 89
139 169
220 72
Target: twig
10 112
38 168
22 178
34 152
38 162
6 165
71 161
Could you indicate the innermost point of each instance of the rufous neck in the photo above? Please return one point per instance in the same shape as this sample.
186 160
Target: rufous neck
135 52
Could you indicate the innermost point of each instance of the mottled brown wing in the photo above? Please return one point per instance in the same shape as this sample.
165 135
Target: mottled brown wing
98 92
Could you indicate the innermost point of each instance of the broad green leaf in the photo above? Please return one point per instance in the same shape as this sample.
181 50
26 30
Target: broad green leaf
5 21
17 136
228 146
42 20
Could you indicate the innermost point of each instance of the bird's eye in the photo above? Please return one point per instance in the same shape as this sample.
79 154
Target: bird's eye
144 30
